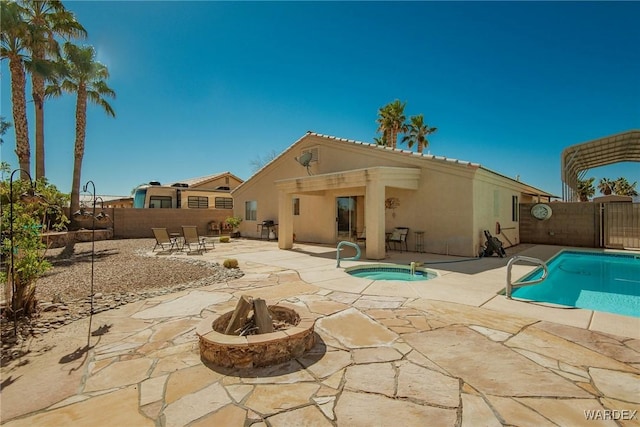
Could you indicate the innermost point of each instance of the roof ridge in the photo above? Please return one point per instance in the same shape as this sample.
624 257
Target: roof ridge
397 150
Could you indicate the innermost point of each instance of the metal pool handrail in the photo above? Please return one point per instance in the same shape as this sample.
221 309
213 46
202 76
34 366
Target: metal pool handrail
341 244
510 286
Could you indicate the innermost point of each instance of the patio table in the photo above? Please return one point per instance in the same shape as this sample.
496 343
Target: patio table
179 240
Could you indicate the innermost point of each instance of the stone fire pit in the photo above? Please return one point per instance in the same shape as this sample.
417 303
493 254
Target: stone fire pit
233 351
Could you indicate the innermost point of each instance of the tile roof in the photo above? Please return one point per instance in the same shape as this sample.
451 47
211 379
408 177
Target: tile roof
394 150
202 179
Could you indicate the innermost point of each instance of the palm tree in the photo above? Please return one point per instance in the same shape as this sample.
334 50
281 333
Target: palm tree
622 187
391 121
417 132
85 77
13 47
4 166
4 127
47 18
585 189
382 140
606 186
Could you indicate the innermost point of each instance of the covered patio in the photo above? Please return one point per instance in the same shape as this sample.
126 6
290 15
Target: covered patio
373 182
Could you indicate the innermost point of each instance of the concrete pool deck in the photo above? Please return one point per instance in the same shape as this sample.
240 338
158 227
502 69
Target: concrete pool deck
445 352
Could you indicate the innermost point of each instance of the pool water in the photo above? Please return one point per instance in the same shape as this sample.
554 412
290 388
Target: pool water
390 273
593 280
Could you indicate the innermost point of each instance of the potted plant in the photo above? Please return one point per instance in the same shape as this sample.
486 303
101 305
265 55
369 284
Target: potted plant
234 222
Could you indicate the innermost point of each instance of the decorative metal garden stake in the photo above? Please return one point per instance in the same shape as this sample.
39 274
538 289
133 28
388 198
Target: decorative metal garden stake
93 243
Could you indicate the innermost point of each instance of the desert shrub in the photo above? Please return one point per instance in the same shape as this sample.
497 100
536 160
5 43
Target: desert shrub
234 221
224 239
230 263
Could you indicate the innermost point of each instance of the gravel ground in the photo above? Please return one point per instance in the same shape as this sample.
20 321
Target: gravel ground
123 273
119 267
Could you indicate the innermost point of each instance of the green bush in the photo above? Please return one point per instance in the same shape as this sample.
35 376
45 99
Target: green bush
29 221
234 221
224 239
230 263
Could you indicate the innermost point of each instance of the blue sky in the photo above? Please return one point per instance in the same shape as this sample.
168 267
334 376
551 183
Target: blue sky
206 87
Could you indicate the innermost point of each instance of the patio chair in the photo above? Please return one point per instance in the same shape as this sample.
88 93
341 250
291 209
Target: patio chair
398 237
162 239
362 237
191 237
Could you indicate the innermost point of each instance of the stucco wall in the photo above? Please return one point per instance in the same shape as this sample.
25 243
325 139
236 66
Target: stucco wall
493 204
453 204
571 224
442 207
320 207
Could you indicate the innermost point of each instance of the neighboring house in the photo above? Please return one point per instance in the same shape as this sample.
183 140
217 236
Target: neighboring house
106 201
207 192
344 187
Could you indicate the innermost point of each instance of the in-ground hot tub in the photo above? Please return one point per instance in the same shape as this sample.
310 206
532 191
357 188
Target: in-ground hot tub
233 351
391 272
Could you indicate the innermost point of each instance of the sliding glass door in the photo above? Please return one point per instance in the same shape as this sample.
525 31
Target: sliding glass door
345 217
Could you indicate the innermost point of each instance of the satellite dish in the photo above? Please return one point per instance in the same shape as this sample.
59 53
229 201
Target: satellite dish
305 159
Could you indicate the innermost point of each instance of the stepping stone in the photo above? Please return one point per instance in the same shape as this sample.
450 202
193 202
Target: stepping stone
196 405
309 416
119 408
464 354
366 410
189 305
271 399
355 330
617 385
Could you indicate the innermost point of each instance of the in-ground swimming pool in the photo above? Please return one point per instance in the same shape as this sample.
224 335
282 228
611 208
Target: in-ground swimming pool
600 281
391 272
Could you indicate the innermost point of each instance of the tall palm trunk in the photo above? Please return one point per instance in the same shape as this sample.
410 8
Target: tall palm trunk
18 99
37 81
81 126
393 137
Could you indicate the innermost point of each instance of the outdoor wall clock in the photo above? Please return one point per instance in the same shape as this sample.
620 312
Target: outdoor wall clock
541 211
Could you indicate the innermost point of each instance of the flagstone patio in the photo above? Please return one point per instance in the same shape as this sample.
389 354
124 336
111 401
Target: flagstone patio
448 352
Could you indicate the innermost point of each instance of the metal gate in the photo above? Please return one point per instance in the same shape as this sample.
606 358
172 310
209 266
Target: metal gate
620 225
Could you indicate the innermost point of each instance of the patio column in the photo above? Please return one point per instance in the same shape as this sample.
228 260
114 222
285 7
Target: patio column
374 219
285 220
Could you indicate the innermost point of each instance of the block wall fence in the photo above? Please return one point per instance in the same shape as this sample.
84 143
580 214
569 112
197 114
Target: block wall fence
128 223
570 224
